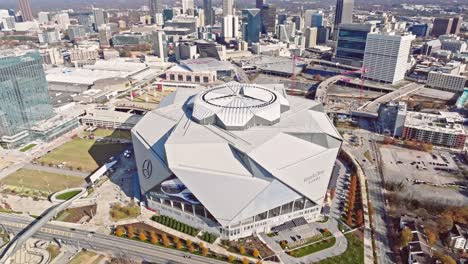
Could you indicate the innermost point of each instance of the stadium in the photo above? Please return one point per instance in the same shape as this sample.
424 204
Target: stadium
236 159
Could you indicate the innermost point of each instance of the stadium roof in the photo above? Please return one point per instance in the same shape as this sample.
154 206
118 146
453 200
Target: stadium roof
239 173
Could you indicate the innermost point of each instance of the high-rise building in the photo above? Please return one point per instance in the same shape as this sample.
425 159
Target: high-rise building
63 21
26 12
442 26
43 17
99 18
155 7
168 14
310 37
420 30
456 25
105 35
230 27
268 18
282 18
24 95
228 7
259 3
317 19
209 12
386 56
251 25
343 14
187 5
160 45
49 36
84 19
351 43
298 21
323 34
308 17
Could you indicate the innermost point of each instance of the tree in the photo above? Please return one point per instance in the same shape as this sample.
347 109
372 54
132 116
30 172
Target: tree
431 237
204 251
130 231
179 245
142 236
255 253
165 240
191 248
245 261
154 238
445 222
283 244
176 240
188 242
231 258
405 237
332 193
242 250
259 262
201 245
120 231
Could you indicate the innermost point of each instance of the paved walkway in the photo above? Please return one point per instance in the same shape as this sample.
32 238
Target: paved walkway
56 170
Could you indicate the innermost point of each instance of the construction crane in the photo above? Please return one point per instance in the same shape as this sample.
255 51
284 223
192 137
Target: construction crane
363 72
292 87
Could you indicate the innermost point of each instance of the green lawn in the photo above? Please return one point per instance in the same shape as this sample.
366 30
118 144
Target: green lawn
307 250
110 133
83 154
28 147
353 254
41 180
67 195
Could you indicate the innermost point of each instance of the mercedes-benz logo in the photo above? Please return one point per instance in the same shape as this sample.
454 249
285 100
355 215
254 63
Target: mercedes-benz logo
147 169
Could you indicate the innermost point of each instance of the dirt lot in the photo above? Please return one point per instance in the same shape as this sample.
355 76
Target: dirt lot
74 215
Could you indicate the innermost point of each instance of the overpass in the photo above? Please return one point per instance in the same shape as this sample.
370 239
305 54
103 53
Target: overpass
29 230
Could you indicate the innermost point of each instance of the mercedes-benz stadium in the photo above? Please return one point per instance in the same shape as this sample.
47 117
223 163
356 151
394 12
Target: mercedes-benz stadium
236 159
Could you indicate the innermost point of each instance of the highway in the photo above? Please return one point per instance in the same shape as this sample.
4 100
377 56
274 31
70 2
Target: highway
116 246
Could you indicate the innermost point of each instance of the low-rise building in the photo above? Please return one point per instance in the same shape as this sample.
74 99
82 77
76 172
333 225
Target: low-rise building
437 129
446 82
202 70
459 237
419 252
391 119
110 119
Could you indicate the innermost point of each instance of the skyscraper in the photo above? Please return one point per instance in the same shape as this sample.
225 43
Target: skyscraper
155 8
209 12
24 96
187 5
343 14
251 25
228 8
268 18
386 56
230 27
456 25
99 18
310 37
259 3
160 45
26 11
351 43
317 19
442 26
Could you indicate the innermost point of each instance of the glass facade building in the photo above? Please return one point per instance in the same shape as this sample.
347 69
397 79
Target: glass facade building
351 43
24 97
317 20
251 24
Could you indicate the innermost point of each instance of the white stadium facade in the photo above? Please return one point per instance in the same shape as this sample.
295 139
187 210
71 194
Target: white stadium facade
236 159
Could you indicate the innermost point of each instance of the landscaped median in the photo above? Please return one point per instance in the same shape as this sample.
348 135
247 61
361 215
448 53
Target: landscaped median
174 224
148 234
67 195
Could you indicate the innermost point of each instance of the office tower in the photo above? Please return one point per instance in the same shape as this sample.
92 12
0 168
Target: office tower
317 19
442 26
43 17
84 19
228 7
259 3
310 37
187 5
230 27
26 12
105 35
323 34
456 25
420 30
160 45
76 32
209 12
168 14
386 56
251 26
351 43
63 21
99 18
268 18
7 23
298 21
282 18
24 95
155 7
343 14
308 17
49 36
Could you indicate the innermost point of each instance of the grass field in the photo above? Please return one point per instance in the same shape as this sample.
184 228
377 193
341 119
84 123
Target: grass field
307 250
67 195
28 147
353 254
121 212
86 257
41 181
83 154
120 134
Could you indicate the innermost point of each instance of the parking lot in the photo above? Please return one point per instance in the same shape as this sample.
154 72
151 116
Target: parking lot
297 234
400 164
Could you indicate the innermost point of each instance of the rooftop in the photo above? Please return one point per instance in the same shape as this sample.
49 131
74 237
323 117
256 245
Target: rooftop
433 122
206 64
